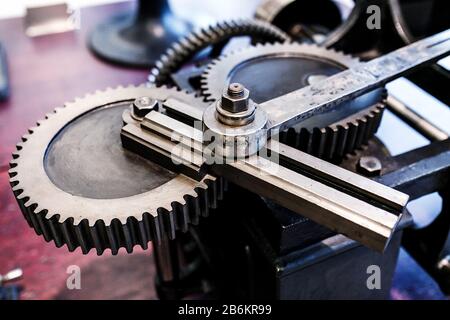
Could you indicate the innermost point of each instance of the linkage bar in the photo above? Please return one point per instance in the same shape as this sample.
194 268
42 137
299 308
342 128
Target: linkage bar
370 217
287 110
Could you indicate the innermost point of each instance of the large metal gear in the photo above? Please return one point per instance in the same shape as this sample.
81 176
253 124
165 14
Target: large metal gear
78 187
185 49
271 70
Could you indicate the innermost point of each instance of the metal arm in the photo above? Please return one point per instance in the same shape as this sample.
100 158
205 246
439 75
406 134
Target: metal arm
290 109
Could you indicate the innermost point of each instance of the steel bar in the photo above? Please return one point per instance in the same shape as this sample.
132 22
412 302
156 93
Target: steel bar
325 205
288 110
338 177
415 120
369 218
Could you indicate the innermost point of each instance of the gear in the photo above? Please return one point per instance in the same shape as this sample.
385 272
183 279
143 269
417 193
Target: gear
271 70
185 49
77 186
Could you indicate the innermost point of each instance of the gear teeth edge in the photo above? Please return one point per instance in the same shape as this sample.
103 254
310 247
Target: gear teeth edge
316 140
127 235
333 142
119 235
196 40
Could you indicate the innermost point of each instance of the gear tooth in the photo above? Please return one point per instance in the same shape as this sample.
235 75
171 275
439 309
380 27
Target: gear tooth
25 138
341 141
43 223
144 234
97 242
292 137
137 233
370 117
111 231
332 136
318 142
19 190
362 126
152 228
31 130
181 216
378 114
82 234
168 222
68 234
159 225
19 146
78 99
55 230
215 191
127 238
29 203
351 137
33 220
12 176
14 157
202 201
194 208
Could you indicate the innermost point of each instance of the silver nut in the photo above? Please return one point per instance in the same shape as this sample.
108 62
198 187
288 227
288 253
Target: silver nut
369 166
235 98
143 105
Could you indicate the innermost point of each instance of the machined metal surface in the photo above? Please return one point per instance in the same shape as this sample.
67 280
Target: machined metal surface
329 195
78 187
272 70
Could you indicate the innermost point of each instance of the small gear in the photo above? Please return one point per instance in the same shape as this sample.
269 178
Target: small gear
271 70
185 49
77 186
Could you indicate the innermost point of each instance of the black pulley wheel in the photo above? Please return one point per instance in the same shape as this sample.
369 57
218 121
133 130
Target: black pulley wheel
137 39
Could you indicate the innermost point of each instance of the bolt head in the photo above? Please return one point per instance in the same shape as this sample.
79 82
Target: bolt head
369 166
235 98
143 105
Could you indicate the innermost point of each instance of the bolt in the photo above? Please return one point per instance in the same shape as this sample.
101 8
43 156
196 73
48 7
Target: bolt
236 90
235 108
235 98
369 166
143 105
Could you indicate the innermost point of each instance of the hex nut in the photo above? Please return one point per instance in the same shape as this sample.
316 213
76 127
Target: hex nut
142 106
235 98
369 166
